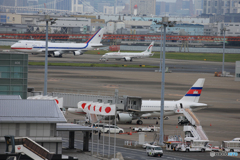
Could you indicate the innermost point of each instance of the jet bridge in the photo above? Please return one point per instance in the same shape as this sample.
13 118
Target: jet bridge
131 103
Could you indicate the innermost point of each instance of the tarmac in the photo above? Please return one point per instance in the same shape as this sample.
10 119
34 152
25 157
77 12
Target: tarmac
220 121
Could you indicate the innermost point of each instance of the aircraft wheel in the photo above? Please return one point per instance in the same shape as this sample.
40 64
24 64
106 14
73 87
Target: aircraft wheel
49 55
140 122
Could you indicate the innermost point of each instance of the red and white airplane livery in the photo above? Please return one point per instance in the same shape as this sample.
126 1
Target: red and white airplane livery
152 108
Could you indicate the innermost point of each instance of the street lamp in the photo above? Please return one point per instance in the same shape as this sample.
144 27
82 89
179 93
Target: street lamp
47 19
223 30
165 23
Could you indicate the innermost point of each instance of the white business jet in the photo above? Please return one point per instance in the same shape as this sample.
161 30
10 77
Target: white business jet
57 49
128 56
152 108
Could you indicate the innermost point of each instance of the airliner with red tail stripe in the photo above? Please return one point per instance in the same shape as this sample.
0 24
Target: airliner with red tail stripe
151 108
57 49
127 56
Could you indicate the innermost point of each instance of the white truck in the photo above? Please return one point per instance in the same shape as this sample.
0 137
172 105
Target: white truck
154 151
145 129
195 145
232 146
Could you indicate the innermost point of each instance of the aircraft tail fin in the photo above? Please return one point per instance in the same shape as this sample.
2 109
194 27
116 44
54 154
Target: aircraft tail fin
97 37
149 49
194 92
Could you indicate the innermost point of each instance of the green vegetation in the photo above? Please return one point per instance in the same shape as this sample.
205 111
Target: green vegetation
215 57
5 47
90 65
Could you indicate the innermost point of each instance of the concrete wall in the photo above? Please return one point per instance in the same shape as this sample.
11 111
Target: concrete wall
28 129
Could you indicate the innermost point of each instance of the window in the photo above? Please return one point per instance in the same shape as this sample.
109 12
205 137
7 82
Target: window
99 100
110 101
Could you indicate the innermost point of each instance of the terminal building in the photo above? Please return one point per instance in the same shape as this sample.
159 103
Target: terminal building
13 74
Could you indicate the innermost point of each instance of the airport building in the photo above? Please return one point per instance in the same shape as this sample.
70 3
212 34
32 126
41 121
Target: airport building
36 119
13 74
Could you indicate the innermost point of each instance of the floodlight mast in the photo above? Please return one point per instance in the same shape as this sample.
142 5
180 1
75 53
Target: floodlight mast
47 19
164 23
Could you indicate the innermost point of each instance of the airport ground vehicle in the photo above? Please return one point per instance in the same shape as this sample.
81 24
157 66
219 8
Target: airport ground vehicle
154 151
195 145
231 146
112 129
145 129
99 125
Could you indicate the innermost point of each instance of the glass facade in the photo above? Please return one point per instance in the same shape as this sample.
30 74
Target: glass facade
13 74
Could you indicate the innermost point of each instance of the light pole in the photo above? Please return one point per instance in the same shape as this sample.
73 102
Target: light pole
47 19
223 30
165 23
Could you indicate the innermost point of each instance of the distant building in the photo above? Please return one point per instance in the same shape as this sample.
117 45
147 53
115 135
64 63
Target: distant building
185 7
108 9
221 7
198 4
147 7
119 9
77 7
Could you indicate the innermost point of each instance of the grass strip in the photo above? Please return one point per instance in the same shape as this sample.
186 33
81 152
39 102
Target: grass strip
90 65
214 57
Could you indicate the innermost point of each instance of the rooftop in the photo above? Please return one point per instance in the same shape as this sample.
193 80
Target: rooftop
30 111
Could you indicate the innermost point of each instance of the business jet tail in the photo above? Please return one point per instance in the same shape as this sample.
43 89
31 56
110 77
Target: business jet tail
97 37
194 92
149 49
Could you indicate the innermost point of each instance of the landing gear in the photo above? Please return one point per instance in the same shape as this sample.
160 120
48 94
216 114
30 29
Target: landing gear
49 55
130 60
139 122
60 56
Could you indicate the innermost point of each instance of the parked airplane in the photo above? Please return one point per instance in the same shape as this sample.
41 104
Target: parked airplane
57 49
151 108
127 56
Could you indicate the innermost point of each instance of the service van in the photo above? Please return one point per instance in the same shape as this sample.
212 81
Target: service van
154 151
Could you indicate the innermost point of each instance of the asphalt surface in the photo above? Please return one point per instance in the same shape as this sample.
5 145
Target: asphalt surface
220 121
101 147
173 65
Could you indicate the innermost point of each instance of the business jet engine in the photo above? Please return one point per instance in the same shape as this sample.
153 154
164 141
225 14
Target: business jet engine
57 54
77 53
124 117
127 59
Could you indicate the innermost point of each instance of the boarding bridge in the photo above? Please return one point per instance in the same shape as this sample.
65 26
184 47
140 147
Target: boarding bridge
28 147
194 132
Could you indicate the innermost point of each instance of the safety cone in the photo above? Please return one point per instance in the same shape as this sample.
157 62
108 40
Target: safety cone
176 126
210 124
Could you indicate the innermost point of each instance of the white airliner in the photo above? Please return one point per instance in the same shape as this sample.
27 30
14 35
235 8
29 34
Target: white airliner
57 49
152 108
128 56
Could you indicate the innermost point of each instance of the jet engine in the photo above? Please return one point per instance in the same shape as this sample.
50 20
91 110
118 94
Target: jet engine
128 59
77 53
124 117
57 53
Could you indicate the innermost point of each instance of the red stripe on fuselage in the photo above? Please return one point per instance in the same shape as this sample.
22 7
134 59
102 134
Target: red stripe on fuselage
22 48
194 91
